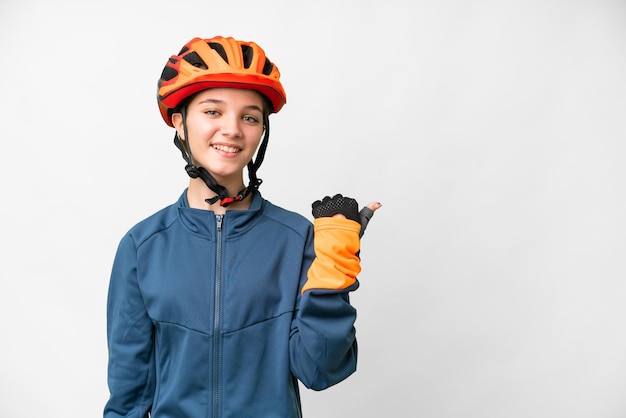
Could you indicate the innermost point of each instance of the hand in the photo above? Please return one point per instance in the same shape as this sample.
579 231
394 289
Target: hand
344 207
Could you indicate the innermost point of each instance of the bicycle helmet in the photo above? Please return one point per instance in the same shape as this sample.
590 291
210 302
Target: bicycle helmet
219 62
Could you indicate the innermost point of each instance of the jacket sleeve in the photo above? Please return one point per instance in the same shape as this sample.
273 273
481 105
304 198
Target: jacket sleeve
130 339
323 345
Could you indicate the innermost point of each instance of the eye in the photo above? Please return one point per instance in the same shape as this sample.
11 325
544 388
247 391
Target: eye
212 112
250 119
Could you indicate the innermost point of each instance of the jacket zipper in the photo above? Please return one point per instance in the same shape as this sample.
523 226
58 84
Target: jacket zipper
217 339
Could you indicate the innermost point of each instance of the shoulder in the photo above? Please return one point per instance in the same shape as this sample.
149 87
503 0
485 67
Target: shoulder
153 224
286 218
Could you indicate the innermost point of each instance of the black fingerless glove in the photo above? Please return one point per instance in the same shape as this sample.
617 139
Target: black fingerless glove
328 207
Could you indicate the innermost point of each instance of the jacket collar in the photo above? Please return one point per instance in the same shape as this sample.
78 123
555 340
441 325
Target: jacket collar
204 222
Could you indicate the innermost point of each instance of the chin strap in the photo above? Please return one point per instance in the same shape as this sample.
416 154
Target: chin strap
207 178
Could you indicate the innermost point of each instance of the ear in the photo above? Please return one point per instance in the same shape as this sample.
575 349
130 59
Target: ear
177 121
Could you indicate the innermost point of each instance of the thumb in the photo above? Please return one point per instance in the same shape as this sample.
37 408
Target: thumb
366 214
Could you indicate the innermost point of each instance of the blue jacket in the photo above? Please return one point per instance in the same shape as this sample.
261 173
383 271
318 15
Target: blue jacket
206 316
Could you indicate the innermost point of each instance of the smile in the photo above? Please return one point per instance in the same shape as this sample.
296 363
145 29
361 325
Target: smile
226 148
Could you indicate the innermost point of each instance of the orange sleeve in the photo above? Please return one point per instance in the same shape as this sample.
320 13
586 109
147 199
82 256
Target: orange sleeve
336 264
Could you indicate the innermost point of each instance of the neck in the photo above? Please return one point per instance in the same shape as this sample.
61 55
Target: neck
198 192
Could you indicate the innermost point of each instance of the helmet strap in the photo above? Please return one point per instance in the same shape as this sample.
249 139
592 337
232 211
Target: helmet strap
253 166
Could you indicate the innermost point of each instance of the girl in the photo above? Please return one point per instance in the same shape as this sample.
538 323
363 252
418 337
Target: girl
219 303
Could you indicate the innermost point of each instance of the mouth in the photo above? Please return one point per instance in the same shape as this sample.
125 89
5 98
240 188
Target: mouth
226 148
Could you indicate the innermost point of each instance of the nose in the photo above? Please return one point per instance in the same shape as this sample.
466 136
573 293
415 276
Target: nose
231 126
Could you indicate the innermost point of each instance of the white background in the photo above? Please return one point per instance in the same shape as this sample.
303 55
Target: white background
493 281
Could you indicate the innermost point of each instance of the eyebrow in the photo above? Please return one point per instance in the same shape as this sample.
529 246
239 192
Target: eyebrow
217 101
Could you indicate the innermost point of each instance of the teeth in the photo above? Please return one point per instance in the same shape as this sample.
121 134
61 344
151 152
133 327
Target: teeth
226 149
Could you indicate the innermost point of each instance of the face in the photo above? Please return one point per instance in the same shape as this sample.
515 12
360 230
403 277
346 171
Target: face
225 127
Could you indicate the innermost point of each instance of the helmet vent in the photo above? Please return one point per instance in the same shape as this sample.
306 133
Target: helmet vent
194 59
247 53
268 67
219 49
168 73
